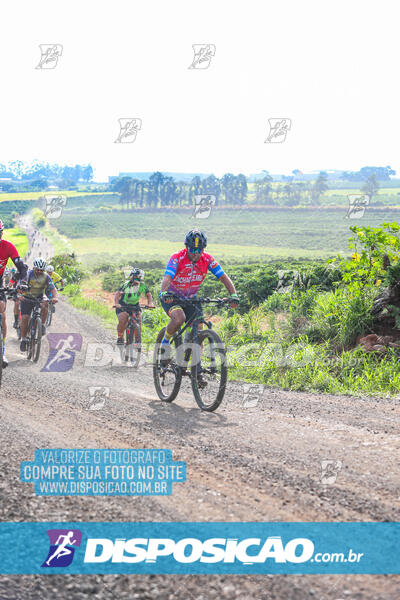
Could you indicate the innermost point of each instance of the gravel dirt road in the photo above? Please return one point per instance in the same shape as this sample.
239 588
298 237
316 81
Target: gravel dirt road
243 464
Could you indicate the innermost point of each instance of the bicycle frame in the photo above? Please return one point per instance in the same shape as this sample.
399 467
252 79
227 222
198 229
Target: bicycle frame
36 312
193 323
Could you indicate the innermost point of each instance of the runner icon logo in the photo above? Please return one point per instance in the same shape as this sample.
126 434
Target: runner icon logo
61 551
62 351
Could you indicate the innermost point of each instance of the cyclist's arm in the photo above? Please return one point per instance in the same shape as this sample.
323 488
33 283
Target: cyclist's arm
117 297
228 283
149 298
51 288
166 282
19 263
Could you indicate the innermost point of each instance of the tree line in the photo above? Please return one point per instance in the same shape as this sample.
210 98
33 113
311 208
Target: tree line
39 175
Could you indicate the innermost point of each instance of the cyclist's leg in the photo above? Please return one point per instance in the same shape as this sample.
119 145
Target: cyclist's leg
137 319
3 303
177 319
123 318
45 311
26 309
3 313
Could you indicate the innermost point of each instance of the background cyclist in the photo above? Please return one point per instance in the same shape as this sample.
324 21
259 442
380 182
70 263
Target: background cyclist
14 282
55 277
126 301
8 250
38 282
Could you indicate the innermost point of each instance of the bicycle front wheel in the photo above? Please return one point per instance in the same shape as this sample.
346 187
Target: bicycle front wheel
167 374
1 347
49 316
209 372
36 339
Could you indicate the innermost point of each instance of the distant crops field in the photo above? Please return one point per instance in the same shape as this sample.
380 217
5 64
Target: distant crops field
106 248
298 231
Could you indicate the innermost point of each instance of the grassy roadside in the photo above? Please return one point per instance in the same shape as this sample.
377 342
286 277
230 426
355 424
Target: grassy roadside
274 359
305 336
60 243
20 240
270 359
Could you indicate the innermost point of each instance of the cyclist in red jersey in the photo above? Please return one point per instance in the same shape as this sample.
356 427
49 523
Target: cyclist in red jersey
8 250
183 277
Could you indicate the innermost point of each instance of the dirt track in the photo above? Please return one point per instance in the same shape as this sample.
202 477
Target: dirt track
259 464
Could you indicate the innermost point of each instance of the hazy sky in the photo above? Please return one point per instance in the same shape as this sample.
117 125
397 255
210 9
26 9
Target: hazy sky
329 66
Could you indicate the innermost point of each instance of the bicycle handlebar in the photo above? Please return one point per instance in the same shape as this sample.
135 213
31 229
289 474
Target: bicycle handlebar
200 300
141 306
9 291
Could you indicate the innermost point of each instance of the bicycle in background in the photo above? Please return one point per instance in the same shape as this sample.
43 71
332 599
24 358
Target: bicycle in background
133 337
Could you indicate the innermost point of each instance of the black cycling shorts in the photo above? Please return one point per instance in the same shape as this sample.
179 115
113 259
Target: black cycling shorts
128 308
188 309
26 306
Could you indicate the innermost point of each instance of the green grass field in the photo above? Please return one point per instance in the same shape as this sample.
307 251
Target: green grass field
269 232
147 249
17 237
35 195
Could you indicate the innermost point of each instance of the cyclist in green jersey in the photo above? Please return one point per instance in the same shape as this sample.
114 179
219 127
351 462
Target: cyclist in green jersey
126 301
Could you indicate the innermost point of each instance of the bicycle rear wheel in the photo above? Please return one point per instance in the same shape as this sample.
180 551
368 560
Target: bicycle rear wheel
209 375
133 344
18 327
37 338
168 376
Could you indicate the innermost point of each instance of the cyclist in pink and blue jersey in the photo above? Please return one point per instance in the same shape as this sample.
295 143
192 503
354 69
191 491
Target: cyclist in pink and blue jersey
183 277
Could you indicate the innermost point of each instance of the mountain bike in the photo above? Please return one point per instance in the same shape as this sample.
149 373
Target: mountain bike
10 294
133 337
34 330
201 356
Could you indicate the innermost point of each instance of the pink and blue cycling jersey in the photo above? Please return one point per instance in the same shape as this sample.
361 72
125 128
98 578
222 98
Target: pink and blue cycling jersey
187 277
